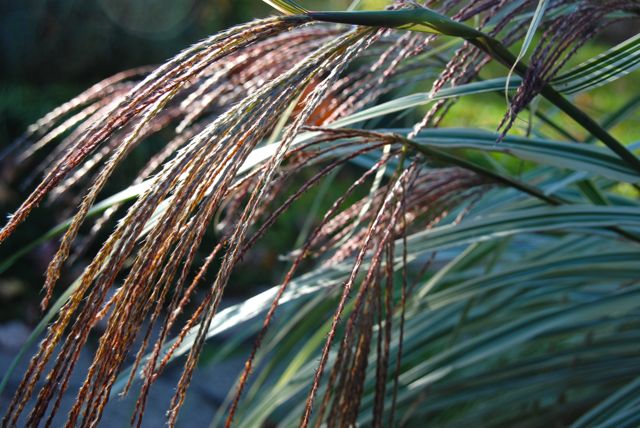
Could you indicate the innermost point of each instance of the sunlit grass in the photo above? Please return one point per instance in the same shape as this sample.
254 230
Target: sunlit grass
473 239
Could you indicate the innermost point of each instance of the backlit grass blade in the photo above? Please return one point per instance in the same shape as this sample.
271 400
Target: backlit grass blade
579 157
569 217
606 67
528 38
422 98
419 19
598 267
288 7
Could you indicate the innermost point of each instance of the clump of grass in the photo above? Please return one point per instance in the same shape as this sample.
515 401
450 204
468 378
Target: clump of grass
277 86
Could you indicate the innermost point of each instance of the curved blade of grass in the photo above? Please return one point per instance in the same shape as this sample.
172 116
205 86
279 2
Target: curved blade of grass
421 98
609 407
569 217
617 62
618 116
535 379
521 330
579 157
419 19
594 266
528 38
288 7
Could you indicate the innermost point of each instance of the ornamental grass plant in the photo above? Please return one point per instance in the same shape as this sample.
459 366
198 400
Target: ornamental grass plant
479 274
